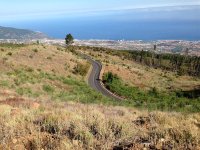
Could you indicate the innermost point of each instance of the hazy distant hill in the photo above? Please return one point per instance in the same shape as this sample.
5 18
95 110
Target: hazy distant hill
13 33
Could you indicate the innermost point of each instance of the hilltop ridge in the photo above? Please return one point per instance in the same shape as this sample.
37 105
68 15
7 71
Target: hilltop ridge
14 33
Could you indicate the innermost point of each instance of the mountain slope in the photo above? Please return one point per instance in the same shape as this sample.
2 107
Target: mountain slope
13 33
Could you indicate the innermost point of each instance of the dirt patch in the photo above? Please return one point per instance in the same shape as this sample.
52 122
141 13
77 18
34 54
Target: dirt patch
29 142
6 94
19 102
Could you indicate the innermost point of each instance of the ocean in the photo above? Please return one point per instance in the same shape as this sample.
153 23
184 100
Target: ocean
183 24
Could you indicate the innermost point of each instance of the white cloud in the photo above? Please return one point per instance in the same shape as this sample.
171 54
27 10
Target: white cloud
32 10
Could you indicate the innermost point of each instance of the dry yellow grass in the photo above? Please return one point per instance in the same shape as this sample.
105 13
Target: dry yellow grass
77 126
47 58
34 60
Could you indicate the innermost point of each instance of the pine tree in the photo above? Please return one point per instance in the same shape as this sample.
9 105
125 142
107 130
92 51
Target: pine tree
69 39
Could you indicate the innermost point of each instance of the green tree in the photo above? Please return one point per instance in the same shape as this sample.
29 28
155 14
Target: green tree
38 42
69 39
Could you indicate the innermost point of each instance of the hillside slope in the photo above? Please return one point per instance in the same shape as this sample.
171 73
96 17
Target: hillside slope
13 33
45 103
28 124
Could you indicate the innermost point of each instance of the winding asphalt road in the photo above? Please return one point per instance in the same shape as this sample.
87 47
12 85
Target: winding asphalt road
95 82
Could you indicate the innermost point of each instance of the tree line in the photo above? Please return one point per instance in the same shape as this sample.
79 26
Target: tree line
182 64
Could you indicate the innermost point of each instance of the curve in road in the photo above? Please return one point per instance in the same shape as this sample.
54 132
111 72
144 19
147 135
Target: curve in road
94 80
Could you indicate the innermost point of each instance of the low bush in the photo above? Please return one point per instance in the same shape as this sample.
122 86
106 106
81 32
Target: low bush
9 53
48 88
35 50
81 69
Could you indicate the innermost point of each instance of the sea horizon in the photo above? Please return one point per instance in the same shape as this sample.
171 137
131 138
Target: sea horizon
167 23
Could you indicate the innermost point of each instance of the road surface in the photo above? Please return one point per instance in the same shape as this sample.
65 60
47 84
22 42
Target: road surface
95 82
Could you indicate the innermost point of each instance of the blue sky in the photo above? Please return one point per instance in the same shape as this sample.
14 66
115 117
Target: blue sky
16 9
105 19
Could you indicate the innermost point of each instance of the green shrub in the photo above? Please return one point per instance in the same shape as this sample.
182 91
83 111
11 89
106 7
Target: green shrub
48 88
4 83
5 59
49 58
35 50
9 53
81 69
31 56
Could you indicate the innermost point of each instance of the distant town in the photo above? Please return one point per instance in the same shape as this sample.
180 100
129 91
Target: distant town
160 46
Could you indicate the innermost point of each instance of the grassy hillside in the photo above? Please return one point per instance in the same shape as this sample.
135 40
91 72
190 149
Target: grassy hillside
45 72
152 99
139 75
45 103
145 86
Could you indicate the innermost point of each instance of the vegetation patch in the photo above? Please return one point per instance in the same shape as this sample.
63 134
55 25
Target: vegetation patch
4 83
11 45
28 82
152 100
81 69
48 88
